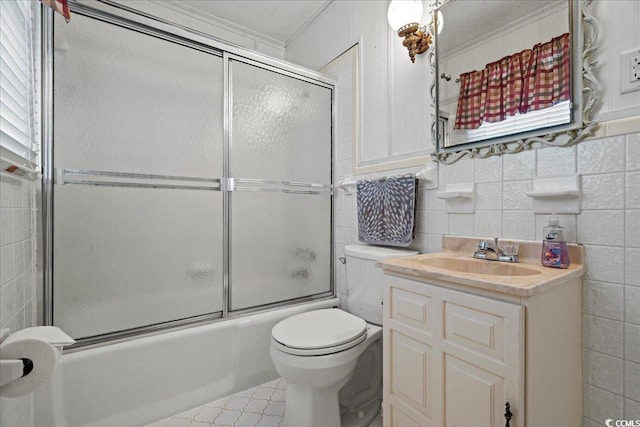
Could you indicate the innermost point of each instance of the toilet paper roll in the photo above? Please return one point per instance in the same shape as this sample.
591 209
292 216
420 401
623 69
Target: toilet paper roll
34 344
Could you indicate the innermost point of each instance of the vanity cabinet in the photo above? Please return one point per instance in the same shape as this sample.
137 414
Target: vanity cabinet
454 355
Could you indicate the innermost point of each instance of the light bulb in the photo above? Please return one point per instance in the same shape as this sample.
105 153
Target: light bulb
403 12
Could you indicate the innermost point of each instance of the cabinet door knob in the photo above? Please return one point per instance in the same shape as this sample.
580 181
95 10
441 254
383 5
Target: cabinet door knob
507 414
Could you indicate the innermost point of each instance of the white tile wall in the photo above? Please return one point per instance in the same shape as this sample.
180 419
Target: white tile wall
518 225
631 409
602 156
604 371
17 277
608 227
632 383
488 196
632 266
514 195
555 161
604 335
599 404
17 246
605 300
603 191
632 342
632 190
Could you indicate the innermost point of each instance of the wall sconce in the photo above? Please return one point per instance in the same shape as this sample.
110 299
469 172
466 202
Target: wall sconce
404 17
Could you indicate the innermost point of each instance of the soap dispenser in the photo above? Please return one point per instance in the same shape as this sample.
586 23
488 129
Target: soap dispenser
554 247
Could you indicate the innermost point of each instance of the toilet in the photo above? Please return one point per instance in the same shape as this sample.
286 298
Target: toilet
331 359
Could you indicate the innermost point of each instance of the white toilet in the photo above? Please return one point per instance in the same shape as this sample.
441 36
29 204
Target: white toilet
331 359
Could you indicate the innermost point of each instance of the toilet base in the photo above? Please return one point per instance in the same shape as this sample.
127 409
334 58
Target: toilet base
323 406
315 407
363 417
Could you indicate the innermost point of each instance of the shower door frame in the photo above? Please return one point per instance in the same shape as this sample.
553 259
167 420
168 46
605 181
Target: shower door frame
123 16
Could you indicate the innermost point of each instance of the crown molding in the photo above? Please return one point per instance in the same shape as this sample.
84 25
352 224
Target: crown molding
328 4
223 24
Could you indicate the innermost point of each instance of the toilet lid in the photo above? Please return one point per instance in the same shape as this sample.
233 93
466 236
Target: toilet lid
319 329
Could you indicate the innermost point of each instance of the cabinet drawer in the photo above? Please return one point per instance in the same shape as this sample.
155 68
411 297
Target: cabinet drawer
412 310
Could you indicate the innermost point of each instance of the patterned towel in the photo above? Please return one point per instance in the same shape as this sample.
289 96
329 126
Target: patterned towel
386 210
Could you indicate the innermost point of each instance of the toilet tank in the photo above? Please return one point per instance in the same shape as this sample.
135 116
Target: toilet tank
365 281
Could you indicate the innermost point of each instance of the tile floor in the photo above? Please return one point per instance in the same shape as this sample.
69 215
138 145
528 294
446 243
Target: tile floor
261 406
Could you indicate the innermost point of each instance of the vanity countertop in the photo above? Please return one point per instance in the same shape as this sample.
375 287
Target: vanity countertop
526 278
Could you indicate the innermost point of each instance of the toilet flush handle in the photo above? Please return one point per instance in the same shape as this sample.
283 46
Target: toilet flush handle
343 260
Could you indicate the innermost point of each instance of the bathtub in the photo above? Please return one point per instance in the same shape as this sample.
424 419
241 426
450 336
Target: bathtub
136 382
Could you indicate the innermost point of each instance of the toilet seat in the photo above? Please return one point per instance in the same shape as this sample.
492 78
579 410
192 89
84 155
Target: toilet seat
319 332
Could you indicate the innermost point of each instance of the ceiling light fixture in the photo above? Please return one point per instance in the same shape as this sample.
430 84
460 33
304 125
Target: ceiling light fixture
404 17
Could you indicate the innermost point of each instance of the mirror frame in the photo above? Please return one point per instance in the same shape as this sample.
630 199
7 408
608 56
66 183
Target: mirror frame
585 92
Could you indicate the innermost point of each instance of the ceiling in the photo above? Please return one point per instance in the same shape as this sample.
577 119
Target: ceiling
465 21
277 19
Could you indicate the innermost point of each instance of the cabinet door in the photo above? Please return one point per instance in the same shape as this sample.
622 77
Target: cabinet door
451 358
413 358
483 360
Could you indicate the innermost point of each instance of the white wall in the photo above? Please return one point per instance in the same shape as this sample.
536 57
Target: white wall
17 277
395 116
186 17
619 32
608 225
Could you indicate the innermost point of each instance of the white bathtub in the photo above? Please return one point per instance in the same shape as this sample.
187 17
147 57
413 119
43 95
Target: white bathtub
146 379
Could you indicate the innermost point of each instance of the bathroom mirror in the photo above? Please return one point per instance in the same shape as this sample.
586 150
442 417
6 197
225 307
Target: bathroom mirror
512 76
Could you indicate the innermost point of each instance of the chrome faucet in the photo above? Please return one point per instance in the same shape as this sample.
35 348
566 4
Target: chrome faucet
485 247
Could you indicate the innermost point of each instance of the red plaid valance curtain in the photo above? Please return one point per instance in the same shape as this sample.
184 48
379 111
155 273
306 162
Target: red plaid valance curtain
529 80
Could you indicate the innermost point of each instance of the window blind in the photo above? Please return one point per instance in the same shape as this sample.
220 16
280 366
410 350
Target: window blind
19 148
558 114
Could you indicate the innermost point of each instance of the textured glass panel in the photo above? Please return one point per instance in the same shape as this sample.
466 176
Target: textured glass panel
280 247
281 127
130 102
126 257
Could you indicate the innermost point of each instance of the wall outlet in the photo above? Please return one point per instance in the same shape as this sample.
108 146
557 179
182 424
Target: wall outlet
635 68
630 71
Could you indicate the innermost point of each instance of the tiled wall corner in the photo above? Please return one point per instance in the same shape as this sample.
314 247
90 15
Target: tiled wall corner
17 277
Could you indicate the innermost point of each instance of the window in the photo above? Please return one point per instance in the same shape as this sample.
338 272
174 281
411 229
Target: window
547 117
19 146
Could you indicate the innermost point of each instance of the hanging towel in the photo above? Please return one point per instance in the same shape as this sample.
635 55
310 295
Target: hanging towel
386 210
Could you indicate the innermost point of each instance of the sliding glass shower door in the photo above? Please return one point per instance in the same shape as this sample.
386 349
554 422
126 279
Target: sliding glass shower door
138 148
280 151
190 183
